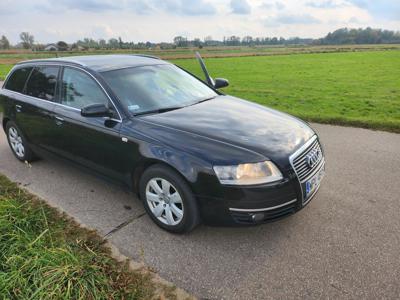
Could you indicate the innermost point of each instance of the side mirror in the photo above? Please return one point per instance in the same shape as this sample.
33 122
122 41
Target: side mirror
220 83
96 110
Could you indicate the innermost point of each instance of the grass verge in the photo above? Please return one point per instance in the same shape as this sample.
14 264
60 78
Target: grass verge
46 255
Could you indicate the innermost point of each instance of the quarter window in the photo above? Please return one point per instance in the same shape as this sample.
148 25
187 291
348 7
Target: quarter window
17 79
42 83
79 90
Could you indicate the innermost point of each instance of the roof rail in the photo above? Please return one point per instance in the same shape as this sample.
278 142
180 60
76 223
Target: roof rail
50 60
146 55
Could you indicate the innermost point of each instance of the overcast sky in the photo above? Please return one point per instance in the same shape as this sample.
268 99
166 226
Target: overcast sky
161 20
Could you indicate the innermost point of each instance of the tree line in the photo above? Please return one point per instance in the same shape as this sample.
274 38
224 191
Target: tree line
338 37
360 36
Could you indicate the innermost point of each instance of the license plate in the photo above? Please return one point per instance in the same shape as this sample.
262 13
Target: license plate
313 183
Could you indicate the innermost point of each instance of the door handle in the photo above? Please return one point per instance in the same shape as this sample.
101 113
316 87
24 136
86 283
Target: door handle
59 120
18 107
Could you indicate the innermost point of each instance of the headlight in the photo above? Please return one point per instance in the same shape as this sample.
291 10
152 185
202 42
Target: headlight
248 174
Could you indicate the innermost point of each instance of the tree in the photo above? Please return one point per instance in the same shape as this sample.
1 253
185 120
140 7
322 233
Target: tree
247 40
208 40
197 43
113 43
62 46
232 40
88 43
102 43
27 40
360 36
4 43
180 41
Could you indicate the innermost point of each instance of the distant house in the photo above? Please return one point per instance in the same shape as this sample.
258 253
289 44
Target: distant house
59 46
51 47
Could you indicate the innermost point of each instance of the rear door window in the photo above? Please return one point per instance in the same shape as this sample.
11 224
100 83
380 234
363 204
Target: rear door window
16 81
42 83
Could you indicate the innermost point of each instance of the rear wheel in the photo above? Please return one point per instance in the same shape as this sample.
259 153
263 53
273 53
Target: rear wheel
17 143
168 199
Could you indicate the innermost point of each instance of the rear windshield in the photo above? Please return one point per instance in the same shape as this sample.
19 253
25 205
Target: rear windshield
17 79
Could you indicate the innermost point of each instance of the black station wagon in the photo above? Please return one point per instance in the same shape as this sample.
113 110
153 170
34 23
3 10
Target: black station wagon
191 153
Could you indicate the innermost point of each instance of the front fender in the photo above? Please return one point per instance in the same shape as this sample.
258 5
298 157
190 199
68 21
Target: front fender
198 173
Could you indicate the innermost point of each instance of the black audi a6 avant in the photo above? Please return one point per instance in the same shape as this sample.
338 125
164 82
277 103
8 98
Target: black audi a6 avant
190 152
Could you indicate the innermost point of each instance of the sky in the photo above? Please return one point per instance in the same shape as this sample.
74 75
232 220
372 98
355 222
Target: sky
162 20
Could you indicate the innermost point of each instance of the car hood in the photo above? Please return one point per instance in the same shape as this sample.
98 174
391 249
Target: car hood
240 123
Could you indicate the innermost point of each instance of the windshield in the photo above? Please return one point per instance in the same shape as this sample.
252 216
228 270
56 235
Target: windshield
156 88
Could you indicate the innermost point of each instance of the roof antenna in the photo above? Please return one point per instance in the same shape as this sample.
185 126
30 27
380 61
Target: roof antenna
209 79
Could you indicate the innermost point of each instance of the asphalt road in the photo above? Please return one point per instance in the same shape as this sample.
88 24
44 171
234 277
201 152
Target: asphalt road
344 244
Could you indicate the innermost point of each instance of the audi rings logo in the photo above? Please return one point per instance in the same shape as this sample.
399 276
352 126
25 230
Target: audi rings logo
313 158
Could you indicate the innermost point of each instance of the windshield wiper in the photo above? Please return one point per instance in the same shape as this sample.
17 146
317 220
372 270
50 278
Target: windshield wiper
203 100
158 111
161 110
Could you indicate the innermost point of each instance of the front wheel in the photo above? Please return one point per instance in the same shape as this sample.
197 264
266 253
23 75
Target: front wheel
18 144
168 199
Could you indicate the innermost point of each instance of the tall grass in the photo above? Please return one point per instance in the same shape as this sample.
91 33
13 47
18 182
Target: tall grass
45 255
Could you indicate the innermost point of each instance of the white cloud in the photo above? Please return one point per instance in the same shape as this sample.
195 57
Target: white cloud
161 20
298 19
273 5
240 7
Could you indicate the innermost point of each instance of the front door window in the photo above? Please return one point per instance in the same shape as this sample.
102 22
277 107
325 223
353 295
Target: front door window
79 90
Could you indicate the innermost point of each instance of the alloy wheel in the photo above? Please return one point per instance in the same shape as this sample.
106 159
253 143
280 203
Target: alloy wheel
164 201
16 142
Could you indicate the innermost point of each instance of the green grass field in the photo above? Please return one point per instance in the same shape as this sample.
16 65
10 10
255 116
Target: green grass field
348 87
4 69
358 89
45 255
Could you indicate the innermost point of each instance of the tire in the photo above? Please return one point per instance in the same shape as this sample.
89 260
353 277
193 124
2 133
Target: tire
18 144
173 198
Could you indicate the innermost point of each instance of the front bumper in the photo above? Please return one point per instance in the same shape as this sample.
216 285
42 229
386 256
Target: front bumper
252 205
247 205
263 215
277 202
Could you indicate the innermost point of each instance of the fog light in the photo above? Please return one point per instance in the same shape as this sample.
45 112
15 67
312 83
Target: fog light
258 217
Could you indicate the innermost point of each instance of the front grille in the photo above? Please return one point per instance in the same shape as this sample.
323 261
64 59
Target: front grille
269 216
299 160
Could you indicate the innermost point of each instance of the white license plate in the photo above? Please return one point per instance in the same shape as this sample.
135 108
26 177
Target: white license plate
313 183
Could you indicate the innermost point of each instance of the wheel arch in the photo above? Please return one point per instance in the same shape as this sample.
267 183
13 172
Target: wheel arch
5 121
147 163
